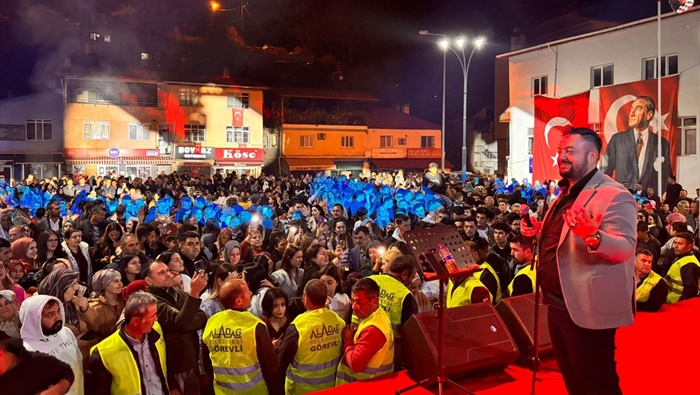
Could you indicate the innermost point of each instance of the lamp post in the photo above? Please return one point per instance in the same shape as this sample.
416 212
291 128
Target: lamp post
443 44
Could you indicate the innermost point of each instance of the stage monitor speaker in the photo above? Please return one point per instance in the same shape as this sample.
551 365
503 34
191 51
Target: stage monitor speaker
476 339
518 313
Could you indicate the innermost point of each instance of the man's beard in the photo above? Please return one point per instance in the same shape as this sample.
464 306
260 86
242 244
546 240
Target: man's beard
54 329
572 172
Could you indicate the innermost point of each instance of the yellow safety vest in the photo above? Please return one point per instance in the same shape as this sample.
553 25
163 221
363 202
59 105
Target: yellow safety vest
499 294
644 290
119 360
525 271
230 337
462 294
674 280
392 293
319 350
382 362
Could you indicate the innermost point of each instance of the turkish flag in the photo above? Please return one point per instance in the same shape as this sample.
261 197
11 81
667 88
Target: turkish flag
237 117
621 161
553 116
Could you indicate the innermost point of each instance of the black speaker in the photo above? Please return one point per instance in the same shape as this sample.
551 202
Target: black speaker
476 339
518 313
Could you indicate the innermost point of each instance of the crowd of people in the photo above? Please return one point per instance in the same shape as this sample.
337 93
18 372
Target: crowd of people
189 285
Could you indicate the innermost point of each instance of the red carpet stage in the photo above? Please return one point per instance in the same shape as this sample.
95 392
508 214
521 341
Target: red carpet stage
659 354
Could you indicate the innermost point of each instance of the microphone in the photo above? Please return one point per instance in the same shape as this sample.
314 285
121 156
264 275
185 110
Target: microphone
525 214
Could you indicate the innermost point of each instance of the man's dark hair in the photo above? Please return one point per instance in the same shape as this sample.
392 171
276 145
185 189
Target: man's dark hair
502 226
182 237
525 242
4 243
512 217
96 210
368 286
642 226
52 205
589 135
651 105
184 228
470 219
143 230
679 227
643 251
401 218
403 263
361 229
687 236
488 213
317 292
482 244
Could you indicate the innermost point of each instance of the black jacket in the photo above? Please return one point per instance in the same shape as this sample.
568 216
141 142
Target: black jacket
180 321
98 380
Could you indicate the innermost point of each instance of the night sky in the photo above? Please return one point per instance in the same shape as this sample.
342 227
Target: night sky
375 41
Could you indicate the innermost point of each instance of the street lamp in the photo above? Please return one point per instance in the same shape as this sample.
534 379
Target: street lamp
464 62
444 44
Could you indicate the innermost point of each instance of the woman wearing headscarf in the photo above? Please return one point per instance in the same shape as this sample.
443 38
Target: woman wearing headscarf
7 284
9 314
25 250
232 255
105 304
78 254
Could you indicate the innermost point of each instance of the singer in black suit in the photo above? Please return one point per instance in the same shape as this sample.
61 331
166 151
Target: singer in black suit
621 155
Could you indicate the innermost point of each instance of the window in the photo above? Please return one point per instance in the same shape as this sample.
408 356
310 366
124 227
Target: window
669 66
145 55
237 134
237 100
194 133
539 86
96 130
602 75
39 129
347 141
273 139
530 140
108 38
386 141
189 97
138 131
306 141
266 141
427 142
94 36
688 128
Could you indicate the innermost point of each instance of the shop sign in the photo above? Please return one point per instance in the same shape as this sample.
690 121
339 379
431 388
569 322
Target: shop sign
239 154
194 152
13 132
414 153
388 153
113 152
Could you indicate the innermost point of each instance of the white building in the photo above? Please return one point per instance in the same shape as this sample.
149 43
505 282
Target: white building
620 54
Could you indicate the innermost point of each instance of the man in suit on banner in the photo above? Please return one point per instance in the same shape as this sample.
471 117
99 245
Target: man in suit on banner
632 154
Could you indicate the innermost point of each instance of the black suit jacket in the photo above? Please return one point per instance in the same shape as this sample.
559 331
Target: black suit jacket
621 158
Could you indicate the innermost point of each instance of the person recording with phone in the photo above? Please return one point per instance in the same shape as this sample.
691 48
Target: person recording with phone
190 250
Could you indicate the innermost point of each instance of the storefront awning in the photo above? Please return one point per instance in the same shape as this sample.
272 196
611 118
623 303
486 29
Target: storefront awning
408 164
302 164
93 161
165 160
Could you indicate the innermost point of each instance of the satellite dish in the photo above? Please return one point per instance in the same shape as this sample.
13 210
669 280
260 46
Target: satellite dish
681 6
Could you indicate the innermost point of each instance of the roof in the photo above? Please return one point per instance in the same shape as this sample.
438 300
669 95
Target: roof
320 93
591 34
152 77
390 118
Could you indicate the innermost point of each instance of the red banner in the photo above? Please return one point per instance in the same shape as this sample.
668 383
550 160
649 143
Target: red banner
552 117
237 117
415 153
628 118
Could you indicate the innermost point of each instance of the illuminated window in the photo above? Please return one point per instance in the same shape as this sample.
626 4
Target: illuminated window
236 134
306 141
602 75
195 133
427 142
386 141
347 141
108 38
237 100
538 86
145 55
39 129
96 130
138 131
94 36
189 96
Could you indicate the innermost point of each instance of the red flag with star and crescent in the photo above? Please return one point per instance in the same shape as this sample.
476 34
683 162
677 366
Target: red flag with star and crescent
615 104
554 115
237 115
